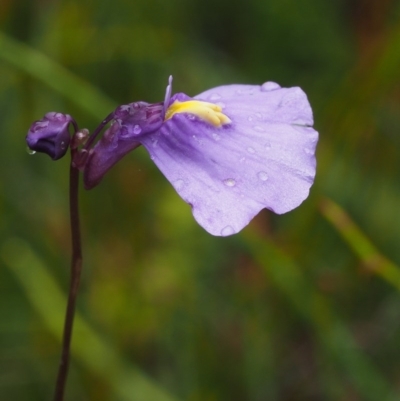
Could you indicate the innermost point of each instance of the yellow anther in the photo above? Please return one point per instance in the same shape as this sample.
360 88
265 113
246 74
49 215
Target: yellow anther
208 112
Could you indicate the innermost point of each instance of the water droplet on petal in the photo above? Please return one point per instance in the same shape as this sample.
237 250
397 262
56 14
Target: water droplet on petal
62 145
258 128
221 104
250 118
230 182
215 96
269 86
228 230
137 130
216 136
30 151
308 151
259 116
262 175
267 146
251 150
242 159
179 184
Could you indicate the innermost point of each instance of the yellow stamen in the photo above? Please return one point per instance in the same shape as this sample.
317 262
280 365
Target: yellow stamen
208 112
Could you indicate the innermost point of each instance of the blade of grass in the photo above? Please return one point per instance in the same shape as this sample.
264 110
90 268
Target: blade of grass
41 67
332 334
359 243
128 382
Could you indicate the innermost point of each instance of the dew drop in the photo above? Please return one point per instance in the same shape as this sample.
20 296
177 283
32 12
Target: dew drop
221 104
215 96
258 128
259 116
269 86
251 150
30 151
267 146
230 182
308 151
228 230
62 145
242 159
250 118
262 175
216 136
137 130
179 184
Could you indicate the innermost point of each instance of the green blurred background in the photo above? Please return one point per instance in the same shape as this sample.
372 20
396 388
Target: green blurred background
304 306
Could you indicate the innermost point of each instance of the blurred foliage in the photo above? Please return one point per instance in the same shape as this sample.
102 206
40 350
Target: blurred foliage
304 306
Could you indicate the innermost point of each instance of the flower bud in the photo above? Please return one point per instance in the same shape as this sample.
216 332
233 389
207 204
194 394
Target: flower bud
50 135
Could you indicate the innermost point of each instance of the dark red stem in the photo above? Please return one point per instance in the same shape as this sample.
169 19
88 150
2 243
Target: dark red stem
76 267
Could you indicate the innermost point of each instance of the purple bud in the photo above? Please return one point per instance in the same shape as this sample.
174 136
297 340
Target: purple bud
50 135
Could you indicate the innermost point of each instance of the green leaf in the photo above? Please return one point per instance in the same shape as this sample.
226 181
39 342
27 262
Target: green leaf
360 244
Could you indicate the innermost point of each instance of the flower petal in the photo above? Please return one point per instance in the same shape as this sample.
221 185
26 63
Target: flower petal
263 159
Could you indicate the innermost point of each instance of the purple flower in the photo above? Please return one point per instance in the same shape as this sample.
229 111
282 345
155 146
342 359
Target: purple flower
229 152
50 135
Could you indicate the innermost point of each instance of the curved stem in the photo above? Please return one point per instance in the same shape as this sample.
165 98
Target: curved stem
76 267
98 130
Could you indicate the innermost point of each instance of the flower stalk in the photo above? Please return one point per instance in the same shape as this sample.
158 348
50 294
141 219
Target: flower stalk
76 268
